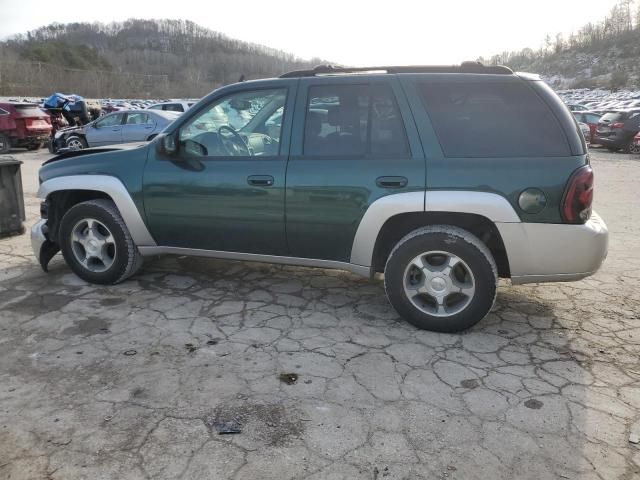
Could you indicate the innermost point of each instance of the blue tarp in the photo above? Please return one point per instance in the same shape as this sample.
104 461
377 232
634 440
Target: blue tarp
61 100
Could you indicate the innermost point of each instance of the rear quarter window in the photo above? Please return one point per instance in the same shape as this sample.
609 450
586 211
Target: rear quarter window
486 119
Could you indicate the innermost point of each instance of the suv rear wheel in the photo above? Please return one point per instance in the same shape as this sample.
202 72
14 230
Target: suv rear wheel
441 278
96 243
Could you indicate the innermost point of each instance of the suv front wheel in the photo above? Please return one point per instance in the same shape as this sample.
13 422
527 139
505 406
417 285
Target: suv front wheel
441 278
96 243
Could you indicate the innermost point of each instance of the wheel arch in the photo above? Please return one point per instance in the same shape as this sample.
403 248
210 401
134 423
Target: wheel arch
388 219
396 227
76 134
61 193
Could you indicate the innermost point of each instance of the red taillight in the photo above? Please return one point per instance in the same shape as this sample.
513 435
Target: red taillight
578 196
617 125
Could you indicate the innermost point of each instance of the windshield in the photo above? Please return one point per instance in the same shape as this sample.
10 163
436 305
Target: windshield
612 117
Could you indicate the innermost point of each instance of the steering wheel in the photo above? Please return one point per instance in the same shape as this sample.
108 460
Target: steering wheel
233 146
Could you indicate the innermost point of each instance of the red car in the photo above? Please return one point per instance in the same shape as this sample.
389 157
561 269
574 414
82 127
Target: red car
23 125
635 146
591 119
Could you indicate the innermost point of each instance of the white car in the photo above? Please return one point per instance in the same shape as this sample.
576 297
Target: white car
178 106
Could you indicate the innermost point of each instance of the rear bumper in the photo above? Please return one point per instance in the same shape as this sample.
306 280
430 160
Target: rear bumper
30 140
613 141
543 252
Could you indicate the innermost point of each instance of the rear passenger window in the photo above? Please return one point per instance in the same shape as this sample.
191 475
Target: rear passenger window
353 121
492 120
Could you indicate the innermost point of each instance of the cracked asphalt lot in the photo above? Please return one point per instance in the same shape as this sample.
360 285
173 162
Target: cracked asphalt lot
132 381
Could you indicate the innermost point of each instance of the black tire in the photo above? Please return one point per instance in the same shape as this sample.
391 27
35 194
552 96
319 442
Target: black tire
634 148
5 144
628 148
458 242
127 259
76 141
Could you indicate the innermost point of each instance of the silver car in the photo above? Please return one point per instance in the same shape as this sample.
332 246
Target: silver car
123 126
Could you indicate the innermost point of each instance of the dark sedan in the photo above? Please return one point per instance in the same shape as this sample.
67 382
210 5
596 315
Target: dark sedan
616 129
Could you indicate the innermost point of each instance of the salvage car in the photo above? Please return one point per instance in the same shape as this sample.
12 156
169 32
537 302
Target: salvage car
617 129
586 131
591 119
23 125
118 127
443 179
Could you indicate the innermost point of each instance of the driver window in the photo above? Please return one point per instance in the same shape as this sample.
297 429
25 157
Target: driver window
242 124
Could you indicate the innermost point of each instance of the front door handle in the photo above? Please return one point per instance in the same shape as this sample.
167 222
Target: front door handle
260 180
391 182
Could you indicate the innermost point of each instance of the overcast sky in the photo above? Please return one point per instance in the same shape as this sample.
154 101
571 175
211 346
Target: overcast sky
350 32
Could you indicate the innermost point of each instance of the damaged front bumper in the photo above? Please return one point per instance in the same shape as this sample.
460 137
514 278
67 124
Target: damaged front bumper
38 237
43 248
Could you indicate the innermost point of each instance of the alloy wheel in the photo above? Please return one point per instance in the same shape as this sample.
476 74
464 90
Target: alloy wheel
93 245
75 144
439 283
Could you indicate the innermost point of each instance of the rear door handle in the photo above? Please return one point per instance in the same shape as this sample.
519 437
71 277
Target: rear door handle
260 180
391 182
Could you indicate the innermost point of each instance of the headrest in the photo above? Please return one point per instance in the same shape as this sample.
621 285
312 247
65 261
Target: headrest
314 123
333 115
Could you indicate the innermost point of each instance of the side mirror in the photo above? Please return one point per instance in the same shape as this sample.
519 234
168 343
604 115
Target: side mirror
170 145
167 144
194 149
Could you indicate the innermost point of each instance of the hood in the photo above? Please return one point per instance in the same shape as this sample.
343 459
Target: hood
91 151
75 128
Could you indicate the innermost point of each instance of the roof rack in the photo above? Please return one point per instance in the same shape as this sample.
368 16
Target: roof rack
464 67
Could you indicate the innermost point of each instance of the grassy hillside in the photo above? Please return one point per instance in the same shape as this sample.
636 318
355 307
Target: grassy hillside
611 64
603 54
147 57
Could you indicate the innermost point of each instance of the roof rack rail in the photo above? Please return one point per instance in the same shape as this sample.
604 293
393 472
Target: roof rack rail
464 67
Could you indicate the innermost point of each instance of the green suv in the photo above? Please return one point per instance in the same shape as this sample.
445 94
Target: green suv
441 178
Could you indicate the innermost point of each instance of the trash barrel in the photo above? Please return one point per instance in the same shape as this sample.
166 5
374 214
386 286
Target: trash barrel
11 197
